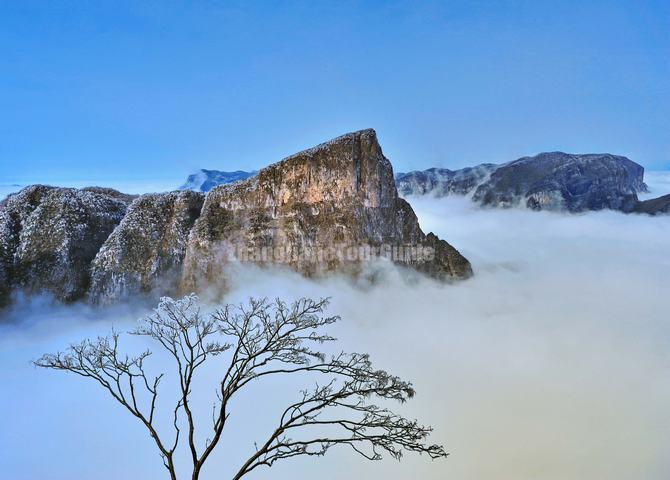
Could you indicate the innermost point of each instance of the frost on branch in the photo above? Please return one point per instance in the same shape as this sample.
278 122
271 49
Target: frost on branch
257 340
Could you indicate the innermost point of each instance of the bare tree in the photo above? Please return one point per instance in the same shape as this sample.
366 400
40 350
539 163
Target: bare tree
260 339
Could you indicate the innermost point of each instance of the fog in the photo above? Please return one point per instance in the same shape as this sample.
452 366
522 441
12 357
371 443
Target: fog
553 362
658 183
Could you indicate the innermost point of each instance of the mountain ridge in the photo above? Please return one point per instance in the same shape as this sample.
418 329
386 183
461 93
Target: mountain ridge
109 246
204 180
556 181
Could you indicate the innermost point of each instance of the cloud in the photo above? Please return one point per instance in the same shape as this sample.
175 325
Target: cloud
658 183
551 363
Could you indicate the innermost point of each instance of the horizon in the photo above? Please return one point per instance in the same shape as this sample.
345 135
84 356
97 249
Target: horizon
658 180
157 183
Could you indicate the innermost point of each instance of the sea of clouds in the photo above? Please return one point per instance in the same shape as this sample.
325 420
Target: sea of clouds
658 183
552 362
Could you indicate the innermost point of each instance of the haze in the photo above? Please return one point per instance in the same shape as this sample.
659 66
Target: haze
550 363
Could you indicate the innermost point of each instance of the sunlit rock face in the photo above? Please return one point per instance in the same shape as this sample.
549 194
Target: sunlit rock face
561 181
328 199
329 208
49 235
145 252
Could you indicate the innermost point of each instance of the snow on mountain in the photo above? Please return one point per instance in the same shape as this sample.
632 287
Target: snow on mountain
204 180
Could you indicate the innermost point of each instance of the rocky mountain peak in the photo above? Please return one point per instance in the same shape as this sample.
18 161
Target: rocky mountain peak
562 181
547 181
337 195
328 208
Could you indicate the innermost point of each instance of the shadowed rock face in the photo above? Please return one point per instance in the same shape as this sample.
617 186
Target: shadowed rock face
340 193
548 181
560 181
146 250
442 182
49 235
654 206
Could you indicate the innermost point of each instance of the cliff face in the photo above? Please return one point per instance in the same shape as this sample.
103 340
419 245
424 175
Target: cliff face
654 206
328 208
548 181
308 212
442 182
49 235
560 181
146 250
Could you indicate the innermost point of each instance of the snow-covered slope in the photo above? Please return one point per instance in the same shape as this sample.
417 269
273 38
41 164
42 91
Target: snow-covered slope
204 180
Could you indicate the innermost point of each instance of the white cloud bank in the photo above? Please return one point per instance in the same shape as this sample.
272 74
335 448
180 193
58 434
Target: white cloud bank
658 183
551 363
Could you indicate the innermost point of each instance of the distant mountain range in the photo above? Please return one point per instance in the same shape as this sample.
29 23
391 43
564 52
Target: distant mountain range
204 180
548 181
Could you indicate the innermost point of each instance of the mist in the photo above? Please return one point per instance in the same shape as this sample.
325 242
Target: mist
658 183
552 362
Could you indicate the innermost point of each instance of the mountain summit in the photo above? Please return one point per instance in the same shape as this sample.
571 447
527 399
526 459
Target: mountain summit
327 209
547 181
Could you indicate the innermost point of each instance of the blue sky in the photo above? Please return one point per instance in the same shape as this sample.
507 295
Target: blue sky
139 90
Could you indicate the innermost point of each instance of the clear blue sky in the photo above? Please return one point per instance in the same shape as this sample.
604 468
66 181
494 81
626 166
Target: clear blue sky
139 89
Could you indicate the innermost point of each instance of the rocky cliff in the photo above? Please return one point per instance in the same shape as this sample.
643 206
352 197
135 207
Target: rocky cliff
146 250
561 181
311 212
328 208
654 206
442 182
548 181
50 235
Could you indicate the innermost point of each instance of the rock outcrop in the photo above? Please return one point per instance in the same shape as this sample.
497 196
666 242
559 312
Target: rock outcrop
146 250
308 212
50 235
204 180
548 181
654 206
442 182
561 181
328 208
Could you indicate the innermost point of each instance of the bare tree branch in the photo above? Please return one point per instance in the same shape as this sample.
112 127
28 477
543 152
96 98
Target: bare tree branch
260 339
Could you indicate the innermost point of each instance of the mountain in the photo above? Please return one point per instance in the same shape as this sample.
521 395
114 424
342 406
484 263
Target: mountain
548 181
654 206
441 182
204 180
50 235
330 208
561 181
337 194
145 252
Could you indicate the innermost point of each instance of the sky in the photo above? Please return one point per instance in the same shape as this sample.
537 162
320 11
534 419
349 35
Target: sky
154 90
